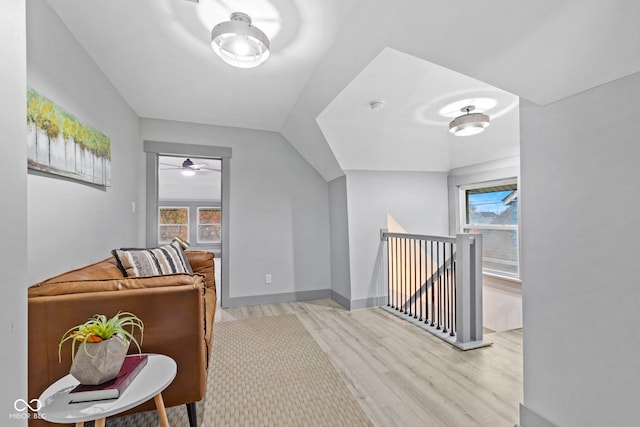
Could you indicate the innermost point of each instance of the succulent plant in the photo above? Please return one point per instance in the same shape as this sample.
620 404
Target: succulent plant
99 328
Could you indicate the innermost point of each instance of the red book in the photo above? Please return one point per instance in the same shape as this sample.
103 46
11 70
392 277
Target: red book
114 388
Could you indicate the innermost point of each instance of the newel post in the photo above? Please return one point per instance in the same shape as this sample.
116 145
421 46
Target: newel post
386 266
469 289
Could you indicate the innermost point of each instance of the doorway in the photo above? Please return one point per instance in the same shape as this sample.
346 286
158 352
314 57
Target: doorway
190 203
187 195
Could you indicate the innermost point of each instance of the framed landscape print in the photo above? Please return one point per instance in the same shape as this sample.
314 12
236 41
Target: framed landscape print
59 144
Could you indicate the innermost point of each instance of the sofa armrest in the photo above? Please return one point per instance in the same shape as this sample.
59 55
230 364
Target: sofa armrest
174 318
202 262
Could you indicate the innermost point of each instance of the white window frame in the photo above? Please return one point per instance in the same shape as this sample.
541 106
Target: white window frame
465 226
198 224
188 223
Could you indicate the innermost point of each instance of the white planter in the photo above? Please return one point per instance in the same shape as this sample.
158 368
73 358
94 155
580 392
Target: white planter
101 364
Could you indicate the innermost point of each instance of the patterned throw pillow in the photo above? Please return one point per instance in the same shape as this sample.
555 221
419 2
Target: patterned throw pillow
167 259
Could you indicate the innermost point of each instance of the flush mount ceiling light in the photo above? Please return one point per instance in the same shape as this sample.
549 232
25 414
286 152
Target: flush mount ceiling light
469 123
239 43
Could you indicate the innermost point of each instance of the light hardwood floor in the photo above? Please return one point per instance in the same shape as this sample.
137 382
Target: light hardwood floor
402 375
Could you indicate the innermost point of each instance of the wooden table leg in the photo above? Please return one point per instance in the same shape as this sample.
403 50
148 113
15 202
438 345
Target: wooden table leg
100 422
80 424
162 413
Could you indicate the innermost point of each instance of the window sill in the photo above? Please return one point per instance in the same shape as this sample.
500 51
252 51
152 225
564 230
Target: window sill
510 284
505 278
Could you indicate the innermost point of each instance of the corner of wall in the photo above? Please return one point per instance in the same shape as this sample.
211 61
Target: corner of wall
529 418
13 170
339 241
340 299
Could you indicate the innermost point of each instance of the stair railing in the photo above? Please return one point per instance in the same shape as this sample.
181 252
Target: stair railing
435 282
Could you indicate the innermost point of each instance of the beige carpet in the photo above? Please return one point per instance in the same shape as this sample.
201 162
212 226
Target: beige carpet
266 371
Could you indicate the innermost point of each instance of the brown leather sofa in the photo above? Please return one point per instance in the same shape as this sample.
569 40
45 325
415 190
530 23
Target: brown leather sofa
177 311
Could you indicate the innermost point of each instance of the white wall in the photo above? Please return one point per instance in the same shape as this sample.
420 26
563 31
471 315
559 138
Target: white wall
580 176
339 223
279 208
416 200
13 193
72 224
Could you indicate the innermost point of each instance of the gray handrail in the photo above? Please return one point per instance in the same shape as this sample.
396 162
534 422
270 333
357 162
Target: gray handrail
452 292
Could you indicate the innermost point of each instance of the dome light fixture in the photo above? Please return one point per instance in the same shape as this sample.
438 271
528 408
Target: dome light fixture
239 43
469 123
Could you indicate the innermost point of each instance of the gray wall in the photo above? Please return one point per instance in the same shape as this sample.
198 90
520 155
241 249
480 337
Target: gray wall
279 211
339 222
416 200
72 224
580 169
13 193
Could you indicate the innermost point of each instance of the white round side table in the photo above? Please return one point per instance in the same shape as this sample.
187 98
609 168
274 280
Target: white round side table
156 376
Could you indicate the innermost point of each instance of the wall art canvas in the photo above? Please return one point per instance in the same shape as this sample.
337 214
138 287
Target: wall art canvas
58 143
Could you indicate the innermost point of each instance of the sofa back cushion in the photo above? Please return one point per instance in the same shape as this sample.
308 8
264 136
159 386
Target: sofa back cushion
119 284
105 269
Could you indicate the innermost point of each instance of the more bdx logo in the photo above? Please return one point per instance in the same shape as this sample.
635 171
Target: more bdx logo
22 406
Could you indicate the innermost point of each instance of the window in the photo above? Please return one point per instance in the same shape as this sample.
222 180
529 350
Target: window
209 225
197 222
172 222
491 209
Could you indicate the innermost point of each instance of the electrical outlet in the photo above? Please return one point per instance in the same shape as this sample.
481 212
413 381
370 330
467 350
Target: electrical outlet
267 278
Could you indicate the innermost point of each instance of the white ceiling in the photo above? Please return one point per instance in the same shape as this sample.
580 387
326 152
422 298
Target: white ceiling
330 57
157 53
410 131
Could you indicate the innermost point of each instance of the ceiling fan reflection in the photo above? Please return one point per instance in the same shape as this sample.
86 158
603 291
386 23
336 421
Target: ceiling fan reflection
189 168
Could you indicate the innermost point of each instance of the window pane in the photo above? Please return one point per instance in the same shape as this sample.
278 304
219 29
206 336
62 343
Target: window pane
499 251
492 206
209 233
174 216
168 232
209 225
173 222
208 216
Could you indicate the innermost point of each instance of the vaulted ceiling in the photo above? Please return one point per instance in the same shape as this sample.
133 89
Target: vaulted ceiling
331 58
